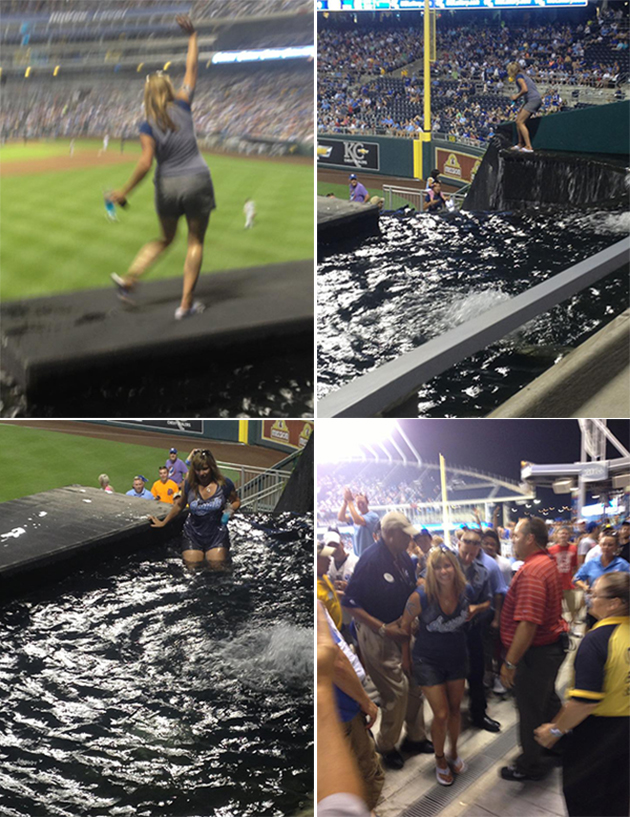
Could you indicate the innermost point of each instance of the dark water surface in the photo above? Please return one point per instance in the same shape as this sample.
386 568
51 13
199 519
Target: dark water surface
278 385
425 275
141 689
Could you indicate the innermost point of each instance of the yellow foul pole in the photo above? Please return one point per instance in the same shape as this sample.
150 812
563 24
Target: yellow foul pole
427 71
445 520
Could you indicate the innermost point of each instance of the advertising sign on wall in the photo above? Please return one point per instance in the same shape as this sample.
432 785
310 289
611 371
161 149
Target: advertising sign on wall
348 153
453 164
295 433
189 426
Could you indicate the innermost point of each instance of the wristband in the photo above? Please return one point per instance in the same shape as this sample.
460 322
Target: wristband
509 664
381 629
557 733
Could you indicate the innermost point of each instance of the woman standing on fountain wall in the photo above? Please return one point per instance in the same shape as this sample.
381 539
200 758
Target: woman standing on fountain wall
526 88
183 185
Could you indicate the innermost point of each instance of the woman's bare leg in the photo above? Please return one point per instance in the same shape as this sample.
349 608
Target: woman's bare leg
521 127
149 254
192 558
197 227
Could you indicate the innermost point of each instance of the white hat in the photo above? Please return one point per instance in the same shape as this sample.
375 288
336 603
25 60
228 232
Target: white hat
332 536
324 550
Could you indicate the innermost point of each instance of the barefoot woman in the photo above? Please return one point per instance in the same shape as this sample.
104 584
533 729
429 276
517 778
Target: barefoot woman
211 498
182 180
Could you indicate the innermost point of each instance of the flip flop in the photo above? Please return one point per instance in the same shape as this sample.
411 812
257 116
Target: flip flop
442 776
196 309
457 765
122 290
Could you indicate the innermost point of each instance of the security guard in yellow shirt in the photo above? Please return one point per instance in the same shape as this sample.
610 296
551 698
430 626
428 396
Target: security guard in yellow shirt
596 753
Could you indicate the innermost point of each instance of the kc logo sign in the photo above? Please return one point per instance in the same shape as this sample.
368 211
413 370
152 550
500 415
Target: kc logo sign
348 153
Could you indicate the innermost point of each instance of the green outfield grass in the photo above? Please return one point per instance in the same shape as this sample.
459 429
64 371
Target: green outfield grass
55 236
40 460
19 152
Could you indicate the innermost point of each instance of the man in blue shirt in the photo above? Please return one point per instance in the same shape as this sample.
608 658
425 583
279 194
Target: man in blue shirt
477 576
376 595
139 490
357 191
356 512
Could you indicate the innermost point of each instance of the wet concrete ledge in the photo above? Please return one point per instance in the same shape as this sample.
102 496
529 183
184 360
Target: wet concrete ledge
48 340
591 381
42 532
338 220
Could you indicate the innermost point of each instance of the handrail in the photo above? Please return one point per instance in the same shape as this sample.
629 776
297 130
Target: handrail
390 384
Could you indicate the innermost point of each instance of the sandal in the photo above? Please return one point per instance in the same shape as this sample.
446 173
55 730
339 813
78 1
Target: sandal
457 765
443 776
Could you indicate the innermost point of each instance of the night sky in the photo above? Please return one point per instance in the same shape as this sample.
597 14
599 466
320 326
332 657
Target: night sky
498 446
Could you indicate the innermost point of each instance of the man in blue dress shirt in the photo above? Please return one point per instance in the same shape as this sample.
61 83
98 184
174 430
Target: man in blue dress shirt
138 490
376 595
356 512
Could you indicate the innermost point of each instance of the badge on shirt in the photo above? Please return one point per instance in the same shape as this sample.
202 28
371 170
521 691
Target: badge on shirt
388 577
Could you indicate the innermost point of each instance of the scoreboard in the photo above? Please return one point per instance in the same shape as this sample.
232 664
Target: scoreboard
442 5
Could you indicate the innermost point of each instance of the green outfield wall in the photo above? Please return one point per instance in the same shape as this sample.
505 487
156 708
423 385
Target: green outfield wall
377 155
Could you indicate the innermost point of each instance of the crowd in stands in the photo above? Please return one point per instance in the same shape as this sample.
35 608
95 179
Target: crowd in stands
423 616
265 104
470 87
200 9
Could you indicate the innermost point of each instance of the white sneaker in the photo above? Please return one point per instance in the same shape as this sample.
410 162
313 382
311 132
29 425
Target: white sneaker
196 309
498 687
527 150
516 147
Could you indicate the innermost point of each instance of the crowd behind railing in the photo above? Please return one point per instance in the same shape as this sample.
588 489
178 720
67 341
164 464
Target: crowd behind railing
369 80
274 104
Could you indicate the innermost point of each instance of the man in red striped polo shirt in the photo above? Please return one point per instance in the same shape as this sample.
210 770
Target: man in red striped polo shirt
533 634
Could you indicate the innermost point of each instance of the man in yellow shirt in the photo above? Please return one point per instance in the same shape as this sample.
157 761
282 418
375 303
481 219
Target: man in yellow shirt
326 593
164 488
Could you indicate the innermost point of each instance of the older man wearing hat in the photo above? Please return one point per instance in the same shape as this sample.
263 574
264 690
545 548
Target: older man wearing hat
358 192
177 470
376 596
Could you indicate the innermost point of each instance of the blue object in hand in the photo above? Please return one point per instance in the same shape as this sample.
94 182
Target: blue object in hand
226 517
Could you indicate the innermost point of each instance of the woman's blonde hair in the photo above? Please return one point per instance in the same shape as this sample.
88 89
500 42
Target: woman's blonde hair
513 69
158 95
435 557
104 480
204 459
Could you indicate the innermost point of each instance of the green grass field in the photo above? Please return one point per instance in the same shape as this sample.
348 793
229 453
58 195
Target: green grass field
55 236
40 460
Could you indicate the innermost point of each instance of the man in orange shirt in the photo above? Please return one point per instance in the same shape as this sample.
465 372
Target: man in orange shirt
164 488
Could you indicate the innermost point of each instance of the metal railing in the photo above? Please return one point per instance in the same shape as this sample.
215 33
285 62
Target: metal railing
415 197
259 489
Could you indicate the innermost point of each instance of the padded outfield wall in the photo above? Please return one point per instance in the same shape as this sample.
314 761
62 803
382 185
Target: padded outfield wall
394 156
283 435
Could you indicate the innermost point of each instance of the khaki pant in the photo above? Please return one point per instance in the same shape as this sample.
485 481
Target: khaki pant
401 698
363 749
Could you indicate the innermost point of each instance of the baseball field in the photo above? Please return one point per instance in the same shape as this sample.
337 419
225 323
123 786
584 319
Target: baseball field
55 235
36 460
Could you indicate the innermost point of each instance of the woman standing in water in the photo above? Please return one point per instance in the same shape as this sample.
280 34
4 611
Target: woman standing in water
526 88
182 180
211 500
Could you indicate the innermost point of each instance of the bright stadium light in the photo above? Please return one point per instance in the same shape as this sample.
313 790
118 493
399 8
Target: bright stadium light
340 439
167 65
27 73
56 71
140 67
